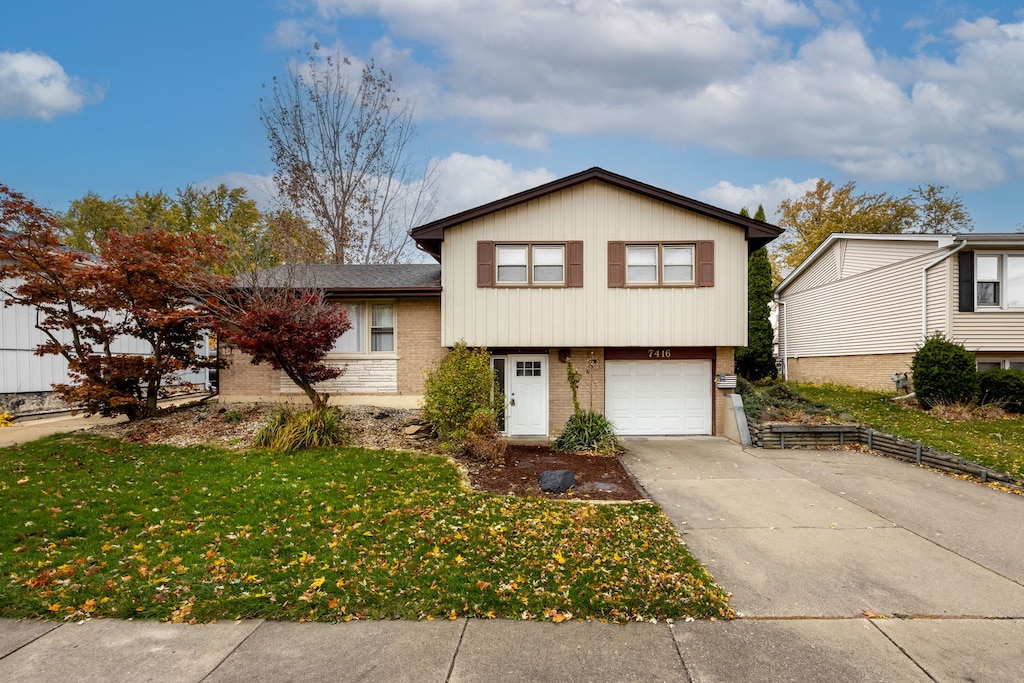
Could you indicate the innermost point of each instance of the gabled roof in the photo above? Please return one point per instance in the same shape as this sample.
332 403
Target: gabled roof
428 237
404 279
989 240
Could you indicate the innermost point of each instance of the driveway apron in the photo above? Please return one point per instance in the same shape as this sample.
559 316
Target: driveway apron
837 534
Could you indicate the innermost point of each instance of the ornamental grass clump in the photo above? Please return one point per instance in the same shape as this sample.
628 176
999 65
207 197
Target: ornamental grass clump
587 431
292 430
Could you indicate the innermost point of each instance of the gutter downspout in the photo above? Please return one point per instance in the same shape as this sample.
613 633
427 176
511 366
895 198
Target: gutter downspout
924 286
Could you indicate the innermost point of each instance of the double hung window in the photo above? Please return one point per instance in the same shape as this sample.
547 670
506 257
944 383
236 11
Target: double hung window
372 331
526 264
659 264
999 280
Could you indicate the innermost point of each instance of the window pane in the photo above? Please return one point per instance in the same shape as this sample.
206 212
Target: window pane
383 315
678 256
641 264
511 263
984 365
1016 364
354 339
988 293
988 268
382 331
547 263
678 264
1015 281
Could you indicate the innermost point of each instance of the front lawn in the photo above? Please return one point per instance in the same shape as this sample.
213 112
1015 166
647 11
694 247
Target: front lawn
97 527
997 443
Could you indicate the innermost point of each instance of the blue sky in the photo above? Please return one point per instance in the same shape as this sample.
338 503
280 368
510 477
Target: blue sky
735 102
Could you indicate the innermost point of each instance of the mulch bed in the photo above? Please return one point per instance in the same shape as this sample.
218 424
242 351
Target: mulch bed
597 477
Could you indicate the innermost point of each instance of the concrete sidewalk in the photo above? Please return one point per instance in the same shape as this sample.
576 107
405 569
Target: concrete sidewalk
30 430
810 543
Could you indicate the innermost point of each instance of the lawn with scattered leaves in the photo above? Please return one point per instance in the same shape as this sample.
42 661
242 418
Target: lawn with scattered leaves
996 443
97 527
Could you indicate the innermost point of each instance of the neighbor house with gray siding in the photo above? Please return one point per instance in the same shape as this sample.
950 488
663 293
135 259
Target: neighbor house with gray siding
646 287
857 309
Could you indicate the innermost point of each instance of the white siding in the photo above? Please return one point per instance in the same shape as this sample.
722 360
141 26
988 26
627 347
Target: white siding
824 270
942 297
876 312
21 371
594 315
860 256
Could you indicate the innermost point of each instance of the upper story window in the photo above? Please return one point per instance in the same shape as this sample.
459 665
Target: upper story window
661 264
372 331
999 280
526 264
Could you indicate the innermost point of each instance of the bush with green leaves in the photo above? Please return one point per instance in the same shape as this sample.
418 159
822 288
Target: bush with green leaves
588 432
944 372
461 385
289 429
1002 387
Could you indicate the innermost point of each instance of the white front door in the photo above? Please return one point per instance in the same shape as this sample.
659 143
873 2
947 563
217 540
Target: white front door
526 395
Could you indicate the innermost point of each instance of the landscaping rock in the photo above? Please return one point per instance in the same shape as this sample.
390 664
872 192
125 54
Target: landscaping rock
557 481
412 429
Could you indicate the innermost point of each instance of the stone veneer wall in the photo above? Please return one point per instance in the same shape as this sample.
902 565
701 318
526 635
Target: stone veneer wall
559 394
872 372
362 376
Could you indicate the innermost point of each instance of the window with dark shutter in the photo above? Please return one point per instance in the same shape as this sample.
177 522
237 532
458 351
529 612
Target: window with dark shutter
574 261
485 264
616 264
966 281
706 264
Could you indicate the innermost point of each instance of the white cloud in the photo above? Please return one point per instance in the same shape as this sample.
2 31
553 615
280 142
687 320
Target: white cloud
769 195
772 78
35 86
467 181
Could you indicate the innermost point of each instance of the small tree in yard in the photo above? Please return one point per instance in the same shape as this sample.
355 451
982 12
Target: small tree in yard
944 372
290 328
586 430
461 398
137 287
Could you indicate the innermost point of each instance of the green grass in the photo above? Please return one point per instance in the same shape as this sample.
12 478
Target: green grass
96 527
998 443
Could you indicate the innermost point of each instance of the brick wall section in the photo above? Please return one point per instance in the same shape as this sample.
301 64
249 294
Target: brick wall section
872 372
242 378
559 394
419 342
724 365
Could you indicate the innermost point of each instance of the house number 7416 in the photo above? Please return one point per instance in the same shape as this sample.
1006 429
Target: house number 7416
659 353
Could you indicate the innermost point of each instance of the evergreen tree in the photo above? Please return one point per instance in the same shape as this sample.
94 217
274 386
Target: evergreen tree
756 361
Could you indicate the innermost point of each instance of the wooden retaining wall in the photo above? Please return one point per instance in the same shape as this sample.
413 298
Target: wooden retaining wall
776 435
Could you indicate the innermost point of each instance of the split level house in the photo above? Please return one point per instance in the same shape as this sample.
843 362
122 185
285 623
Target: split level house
646 288
858 308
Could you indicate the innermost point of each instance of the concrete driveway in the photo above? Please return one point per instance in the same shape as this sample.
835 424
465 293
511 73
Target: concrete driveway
844 551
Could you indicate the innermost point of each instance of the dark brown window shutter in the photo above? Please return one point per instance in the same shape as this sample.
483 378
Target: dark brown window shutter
966 281
705 264
616 264
574 261
485 264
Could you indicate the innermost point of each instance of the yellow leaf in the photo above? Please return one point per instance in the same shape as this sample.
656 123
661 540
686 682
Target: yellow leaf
317 582
55 607
23 480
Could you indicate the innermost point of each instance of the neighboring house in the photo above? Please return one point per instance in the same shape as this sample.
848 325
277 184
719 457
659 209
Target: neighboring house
649 284
857 309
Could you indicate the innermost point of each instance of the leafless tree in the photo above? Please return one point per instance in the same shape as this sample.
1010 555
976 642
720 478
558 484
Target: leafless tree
340 139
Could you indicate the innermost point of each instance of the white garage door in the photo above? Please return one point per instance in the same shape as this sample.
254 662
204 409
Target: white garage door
659 397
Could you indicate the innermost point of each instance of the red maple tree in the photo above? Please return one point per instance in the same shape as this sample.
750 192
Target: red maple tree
290 328
139 286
